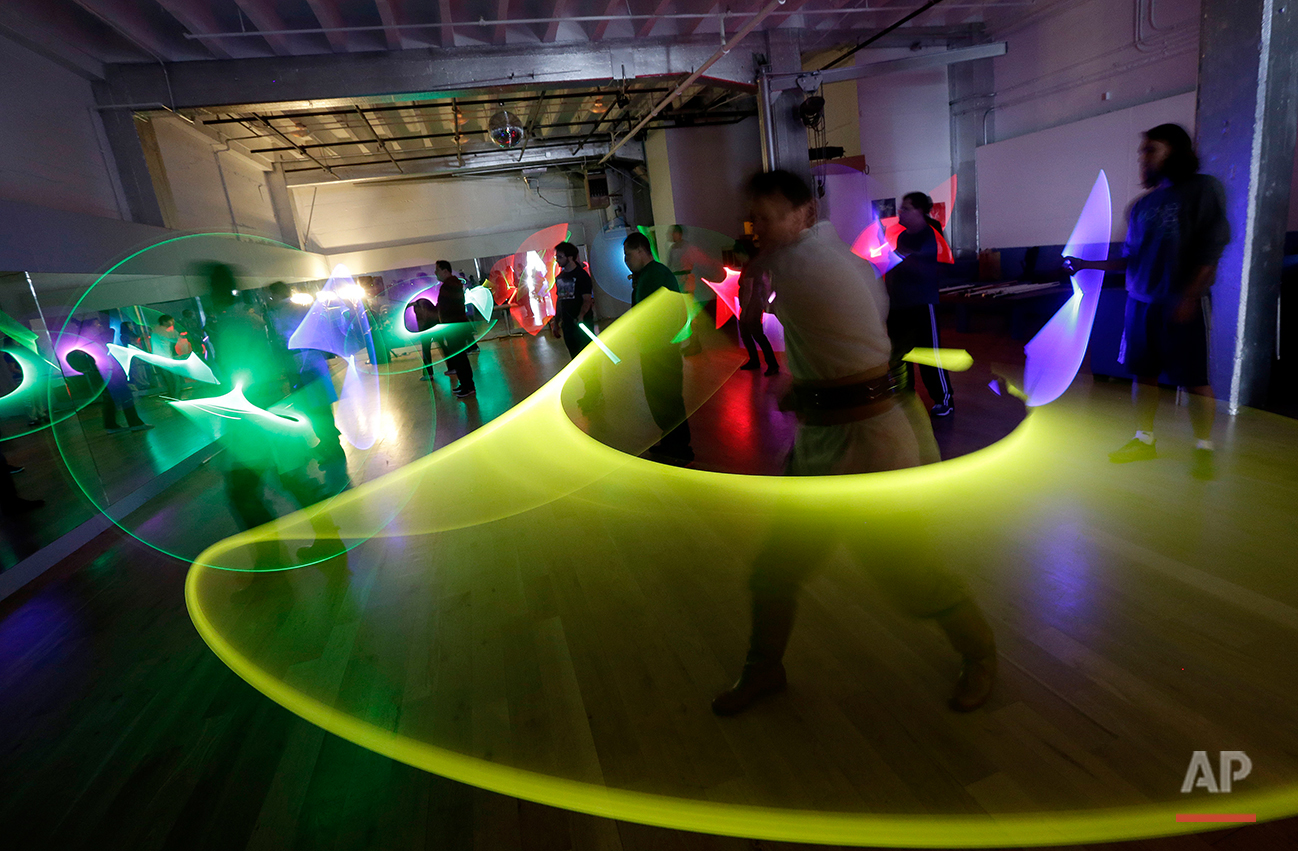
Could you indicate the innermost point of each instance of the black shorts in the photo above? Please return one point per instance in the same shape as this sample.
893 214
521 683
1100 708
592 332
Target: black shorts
1155 345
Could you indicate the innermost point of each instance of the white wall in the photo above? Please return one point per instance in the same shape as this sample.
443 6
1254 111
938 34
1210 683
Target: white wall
212 188
52 147
355 217
905 127
378 227
1031 188
1061 61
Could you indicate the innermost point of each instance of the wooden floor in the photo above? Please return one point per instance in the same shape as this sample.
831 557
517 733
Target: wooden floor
118 728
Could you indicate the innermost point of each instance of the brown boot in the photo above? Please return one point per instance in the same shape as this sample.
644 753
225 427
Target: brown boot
972 637
974 685
754 684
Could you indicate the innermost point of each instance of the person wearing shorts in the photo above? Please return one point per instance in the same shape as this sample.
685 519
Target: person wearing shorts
1175 235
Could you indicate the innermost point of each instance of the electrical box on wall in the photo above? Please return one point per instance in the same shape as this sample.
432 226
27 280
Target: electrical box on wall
596 189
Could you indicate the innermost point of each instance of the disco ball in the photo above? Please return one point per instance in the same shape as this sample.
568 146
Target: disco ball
505 130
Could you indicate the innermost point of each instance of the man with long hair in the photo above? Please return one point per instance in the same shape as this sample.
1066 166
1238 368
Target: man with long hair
1175 235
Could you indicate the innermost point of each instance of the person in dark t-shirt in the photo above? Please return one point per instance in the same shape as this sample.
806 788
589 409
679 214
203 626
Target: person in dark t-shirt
660 360
456 342
576 298
913 295
1175 235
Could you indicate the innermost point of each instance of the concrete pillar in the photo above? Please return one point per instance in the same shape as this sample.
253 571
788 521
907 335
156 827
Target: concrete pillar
129 155
971 88
784 138
1247 126
282 205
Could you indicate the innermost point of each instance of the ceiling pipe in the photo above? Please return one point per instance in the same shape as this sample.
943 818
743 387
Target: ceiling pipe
676 16
712 60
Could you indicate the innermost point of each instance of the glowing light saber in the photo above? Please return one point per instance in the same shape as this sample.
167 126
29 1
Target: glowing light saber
19 333
191 367
235 406
1055 354
684 334
952 360
32 369
597 341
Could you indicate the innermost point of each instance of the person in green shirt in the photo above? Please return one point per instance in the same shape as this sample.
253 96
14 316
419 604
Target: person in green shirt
660 360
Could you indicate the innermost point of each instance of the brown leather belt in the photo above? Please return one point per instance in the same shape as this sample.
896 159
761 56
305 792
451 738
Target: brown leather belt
837 404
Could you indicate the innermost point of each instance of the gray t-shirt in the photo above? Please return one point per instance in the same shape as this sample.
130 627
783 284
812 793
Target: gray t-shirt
832 305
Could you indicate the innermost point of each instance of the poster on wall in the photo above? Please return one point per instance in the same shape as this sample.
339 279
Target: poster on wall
885 208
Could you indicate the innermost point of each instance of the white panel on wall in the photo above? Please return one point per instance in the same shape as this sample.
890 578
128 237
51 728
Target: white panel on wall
214 188
905 126
352 217
1031 188
52 152
709 166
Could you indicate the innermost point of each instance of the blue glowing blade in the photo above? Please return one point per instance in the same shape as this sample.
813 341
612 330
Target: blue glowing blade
1055 354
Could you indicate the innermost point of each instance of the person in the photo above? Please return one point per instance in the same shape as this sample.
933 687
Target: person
163 343
754 291
133 336
660 360
116 392
10 502
425 319
576 290
458 339
312 384
913 297
193 336
243 358
1176 233
851 419
681 259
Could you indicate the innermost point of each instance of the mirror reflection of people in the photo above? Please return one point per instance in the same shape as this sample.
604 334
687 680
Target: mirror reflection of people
1176 233
244 359
11 504
162 342
660 360
851 419
116 391
913 296
459 337
312 386
754 292
425 320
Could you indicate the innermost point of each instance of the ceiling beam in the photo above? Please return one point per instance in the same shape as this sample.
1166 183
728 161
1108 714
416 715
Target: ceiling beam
935 59
445 17
125 17
502 14
561 9
390 15
650 22
326 12
392 77
198 19
601 27
265 18
65 43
